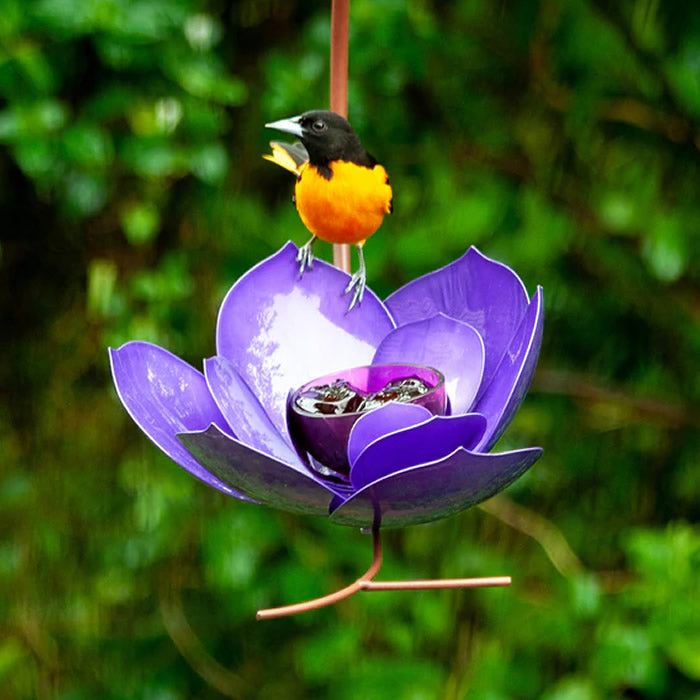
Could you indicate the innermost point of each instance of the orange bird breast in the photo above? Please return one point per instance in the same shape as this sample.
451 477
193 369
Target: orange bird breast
349 206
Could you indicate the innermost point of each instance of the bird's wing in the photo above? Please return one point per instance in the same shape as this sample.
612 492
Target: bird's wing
290 156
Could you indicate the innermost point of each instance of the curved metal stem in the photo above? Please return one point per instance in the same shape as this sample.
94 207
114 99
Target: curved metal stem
331 598
366 583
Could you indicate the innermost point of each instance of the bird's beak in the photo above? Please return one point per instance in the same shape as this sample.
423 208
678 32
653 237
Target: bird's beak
289 126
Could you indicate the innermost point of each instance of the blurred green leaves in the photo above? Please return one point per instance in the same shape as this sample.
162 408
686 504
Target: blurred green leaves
666 601
140 222
90 144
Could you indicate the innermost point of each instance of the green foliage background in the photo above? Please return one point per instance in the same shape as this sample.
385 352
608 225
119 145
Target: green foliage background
561 137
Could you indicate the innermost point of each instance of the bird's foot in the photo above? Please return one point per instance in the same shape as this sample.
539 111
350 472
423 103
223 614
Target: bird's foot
305 257
357 285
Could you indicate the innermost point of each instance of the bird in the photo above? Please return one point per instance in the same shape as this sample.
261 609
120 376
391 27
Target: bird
341 194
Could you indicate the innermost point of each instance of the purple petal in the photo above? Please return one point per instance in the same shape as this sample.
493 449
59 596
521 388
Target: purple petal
243 411
433 491
280 331
268 481
166 396
382 421
450 346
505 393
427 442
482 292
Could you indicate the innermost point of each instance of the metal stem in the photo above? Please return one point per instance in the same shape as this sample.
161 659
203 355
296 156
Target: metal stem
366 583
340 10
331 598
440 583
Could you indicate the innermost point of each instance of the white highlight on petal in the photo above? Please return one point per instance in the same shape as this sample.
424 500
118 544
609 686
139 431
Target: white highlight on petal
280 325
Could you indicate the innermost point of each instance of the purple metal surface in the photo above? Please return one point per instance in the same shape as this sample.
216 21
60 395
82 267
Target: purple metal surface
482 292
261 477
279 331
424 493
165 396
243 411
450 345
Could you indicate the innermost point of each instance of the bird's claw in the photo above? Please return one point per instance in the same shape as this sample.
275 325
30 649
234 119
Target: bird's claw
356 285
305 258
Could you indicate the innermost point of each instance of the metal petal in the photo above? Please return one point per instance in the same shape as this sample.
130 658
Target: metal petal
450 346
433 491
381 422
280 331
243 411
265 479
424 443
507 389
482 292
165 396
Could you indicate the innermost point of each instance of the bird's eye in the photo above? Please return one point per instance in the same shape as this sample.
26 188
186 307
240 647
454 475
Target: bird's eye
318 126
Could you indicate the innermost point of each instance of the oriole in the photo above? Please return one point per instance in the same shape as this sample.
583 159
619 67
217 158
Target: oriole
342 193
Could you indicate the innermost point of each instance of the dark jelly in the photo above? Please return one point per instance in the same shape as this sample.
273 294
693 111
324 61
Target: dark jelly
340 397
330 399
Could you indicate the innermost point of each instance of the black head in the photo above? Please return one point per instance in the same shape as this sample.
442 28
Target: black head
326 136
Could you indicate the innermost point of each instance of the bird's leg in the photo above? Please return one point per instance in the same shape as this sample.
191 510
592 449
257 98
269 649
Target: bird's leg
305 256
358 281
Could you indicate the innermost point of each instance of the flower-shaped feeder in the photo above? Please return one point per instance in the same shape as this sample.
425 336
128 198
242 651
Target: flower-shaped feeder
468 330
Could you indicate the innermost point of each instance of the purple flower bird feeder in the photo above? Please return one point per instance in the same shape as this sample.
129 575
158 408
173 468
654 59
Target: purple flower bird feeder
381 417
